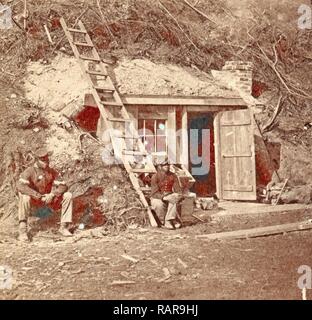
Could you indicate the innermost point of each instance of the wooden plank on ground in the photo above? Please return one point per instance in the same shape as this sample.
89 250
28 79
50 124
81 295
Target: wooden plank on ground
258 232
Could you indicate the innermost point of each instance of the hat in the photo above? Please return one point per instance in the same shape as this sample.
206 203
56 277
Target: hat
165 162
42 152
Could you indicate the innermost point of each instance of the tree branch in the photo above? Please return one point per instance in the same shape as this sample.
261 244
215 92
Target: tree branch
199 12
285 85
275 114
175 20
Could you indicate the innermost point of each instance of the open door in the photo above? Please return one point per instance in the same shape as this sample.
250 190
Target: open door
235 155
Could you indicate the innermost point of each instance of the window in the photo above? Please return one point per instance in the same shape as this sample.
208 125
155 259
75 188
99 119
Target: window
154 135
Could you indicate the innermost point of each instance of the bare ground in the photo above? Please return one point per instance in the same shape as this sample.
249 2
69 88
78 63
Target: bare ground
169 264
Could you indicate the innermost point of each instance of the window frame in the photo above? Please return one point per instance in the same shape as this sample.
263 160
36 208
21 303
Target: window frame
143 135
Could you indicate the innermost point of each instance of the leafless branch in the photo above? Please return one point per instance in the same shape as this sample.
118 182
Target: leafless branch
199 12
177 23
104 20
275 56
275 114
285 85
123 211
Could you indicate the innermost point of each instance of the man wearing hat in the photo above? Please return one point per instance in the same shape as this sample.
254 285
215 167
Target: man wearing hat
38 186
166 193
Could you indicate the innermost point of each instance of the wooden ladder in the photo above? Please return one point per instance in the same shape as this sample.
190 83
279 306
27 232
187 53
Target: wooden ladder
105 94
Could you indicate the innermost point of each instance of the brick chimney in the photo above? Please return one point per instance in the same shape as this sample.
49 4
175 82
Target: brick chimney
237 76
240 75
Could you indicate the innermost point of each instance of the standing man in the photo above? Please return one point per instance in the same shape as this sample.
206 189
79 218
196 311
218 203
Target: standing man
38 187
166 193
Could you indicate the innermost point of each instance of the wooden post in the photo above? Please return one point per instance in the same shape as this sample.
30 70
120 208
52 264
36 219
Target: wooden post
133 112
184 139
216 129
134 115
171 135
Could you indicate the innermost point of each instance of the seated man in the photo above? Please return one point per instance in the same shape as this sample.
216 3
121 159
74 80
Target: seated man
166 193
37 188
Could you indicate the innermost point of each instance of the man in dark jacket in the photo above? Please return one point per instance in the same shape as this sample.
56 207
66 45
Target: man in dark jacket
38 186
166 193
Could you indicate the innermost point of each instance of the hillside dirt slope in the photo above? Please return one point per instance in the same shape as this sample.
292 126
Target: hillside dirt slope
164 32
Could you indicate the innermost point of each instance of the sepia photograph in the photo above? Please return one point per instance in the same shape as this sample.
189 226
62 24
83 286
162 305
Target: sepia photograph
155 150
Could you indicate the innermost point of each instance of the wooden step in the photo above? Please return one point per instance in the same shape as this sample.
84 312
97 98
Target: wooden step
184 176
76 30
89 58
119 120
111 103
97 73
134 153
83 44
145 189
104 89
144 170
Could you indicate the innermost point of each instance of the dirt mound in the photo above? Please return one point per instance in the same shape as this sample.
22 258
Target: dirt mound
140 76
56 86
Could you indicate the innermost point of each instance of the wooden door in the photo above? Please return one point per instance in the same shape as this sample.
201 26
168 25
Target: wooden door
236 169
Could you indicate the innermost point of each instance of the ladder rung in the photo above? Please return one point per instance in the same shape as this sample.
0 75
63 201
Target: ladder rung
134 170
128 137
97 73
134 153
184 176
104 89
89 58
119 120
111 103
76 30
83 44
145 189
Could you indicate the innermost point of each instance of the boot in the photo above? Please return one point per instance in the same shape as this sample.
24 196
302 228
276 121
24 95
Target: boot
22 232
64 231
177 225
168 225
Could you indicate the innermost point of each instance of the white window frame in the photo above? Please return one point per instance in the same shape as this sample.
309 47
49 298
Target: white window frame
159 153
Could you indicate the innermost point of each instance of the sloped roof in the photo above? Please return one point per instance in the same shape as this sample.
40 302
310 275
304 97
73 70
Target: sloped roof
143 77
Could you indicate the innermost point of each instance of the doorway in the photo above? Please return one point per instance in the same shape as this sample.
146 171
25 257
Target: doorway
202 153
